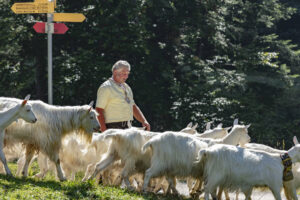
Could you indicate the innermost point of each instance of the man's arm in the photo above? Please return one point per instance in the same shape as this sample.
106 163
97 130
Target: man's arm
101 119
138 115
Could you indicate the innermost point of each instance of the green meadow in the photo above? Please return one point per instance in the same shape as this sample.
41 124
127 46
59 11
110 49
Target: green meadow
49 188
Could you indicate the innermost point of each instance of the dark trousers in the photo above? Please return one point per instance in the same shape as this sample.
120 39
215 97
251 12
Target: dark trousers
120 125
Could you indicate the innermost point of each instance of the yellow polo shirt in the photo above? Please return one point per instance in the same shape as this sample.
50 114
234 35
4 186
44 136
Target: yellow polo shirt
111 98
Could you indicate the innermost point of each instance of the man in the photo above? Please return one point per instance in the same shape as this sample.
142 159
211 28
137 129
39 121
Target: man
115 103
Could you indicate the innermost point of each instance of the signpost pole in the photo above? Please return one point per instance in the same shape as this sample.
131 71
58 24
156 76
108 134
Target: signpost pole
49 31
47 6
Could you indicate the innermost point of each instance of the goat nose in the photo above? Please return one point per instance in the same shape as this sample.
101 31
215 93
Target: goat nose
34 120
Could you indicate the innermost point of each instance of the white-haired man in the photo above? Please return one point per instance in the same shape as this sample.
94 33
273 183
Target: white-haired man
115 103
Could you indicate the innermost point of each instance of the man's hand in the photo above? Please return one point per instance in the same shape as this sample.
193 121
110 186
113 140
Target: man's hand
147 125
137 113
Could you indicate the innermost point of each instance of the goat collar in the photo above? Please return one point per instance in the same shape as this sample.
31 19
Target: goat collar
287 163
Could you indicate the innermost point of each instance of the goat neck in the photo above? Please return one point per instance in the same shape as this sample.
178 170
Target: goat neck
294 153
8 116
234 137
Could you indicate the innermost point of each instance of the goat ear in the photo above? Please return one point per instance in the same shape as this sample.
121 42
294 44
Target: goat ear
247 126
91 104
236 122
24 102
27 97
295 140
190 125
220 125
195 126
208 125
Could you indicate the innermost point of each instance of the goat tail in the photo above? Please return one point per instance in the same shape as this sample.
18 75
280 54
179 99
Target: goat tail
146 146
201 156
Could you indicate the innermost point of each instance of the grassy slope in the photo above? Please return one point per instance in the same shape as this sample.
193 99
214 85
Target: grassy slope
50 188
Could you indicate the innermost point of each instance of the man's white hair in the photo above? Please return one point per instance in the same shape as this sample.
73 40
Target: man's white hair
120 64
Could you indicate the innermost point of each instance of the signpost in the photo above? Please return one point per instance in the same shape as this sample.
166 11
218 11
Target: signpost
47 6
58 28
36 7
68 17
50 93
39 27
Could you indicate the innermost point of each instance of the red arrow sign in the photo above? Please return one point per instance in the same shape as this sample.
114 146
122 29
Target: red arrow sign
59 28
39 27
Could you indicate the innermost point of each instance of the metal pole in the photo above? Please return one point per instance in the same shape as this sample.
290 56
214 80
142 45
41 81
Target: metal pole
49 22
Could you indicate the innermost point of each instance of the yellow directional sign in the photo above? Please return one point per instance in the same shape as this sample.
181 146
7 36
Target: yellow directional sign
68 17
36 7
45 1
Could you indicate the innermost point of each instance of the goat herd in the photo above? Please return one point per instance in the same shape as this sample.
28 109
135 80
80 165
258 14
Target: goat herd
146 161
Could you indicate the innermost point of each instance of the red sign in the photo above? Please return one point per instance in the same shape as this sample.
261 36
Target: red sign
39 27
59 28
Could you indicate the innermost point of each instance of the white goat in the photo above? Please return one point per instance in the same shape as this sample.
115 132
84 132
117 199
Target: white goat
295 168
173 156
54 123
126 145
190 128
215 133
21 110
99 146
75 156
237 136
237 168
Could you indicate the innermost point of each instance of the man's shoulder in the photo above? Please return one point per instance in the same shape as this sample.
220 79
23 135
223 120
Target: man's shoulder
106 84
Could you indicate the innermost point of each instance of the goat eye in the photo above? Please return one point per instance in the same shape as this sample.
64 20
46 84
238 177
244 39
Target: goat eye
91 117
28 110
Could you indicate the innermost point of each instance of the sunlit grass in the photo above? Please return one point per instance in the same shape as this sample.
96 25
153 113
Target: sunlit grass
49 188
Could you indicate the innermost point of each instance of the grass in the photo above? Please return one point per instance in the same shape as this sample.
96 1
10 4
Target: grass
49 188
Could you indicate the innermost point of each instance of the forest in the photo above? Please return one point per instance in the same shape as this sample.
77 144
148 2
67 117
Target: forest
192 60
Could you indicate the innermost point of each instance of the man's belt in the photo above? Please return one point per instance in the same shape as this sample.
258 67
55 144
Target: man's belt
123 124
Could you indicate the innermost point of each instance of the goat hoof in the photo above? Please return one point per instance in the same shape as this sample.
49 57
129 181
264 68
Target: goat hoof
39 175
144 191
194 195
130 188
62 179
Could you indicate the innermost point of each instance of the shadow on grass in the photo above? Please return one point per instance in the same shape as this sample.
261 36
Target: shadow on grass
146 196
74 190
77 189
18 182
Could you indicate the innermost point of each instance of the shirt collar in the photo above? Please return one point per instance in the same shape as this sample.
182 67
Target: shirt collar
122 85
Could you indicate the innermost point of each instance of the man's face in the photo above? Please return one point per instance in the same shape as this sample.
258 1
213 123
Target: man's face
121 75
